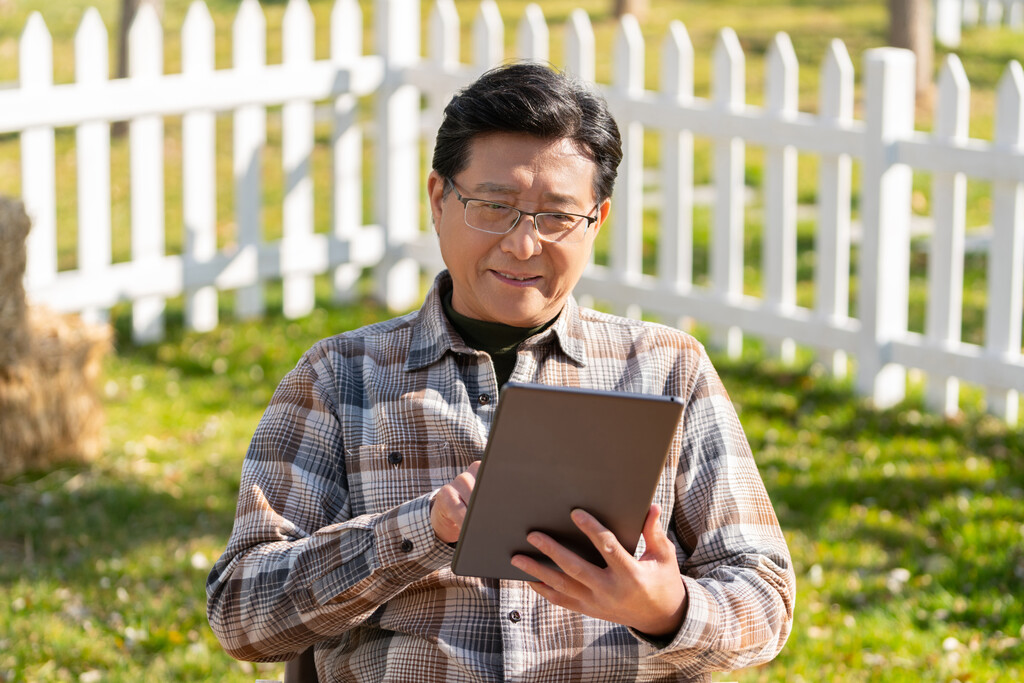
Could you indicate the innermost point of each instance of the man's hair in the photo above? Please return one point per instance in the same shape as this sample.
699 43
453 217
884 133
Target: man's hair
534 99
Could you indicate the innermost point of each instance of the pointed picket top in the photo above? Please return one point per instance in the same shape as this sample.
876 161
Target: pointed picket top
35 54
677 64
91 62
1010 107
145 43
197 39
782 80
297 32
488 36
580 46
532 34
249 36
444 33
728 87
628 59
837 83
952 110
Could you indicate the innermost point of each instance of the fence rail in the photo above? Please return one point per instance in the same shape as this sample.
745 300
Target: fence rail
409 90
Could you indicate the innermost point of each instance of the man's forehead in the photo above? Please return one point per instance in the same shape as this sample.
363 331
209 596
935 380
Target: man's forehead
512 163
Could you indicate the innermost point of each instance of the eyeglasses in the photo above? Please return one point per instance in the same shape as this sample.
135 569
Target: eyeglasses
500 219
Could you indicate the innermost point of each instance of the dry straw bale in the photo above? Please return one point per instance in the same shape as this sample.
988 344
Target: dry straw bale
50 410
14 226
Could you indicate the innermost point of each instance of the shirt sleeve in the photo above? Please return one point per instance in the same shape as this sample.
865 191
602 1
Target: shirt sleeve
298 568
737 568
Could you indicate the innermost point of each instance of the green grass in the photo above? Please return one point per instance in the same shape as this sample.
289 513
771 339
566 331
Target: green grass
103 566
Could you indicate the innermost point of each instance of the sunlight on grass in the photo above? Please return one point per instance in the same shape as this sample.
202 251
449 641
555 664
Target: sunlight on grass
906 528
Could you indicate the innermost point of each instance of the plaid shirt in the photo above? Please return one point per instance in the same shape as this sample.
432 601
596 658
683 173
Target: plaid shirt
332 542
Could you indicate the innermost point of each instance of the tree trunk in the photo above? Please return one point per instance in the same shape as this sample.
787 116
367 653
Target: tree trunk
638 8
910 27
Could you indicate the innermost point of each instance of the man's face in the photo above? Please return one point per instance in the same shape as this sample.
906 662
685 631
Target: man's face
516 278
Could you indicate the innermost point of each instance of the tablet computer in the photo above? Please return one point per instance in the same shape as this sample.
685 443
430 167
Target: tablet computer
554 449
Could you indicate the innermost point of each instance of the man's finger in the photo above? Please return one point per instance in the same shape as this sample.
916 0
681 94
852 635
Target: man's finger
657 541
541 572
571 564
602 538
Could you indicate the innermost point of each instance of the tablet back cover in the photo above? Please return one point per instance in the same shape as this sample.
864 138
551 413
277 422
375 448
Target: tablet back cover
551 450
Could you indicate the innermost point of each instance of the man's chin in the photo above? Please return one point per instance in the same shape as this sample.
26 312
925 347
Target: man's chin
524 318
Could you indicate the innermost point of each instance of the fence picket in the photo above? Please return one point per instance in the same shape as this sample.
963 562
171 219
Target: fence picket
198 164
488 36
347 143
92 150
626 257
1015 15
249 55
297 156
38 150
146 133
675 243
579 46
1006 255
948 18
992 12
532 35
832 274
727 243
778 246
949 209
884 263
398 154
444 34
971 12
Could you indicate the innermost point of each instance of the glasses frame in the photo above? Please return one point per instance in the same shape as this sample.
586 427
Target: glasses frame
533 214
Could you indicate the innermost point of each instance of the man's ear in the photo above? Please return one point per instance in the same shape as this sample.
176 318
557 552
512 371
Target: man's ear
603 211
435 195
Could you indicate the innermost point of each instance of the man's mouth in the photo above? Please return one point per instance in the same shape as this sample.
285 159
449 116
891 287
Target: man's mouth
516 277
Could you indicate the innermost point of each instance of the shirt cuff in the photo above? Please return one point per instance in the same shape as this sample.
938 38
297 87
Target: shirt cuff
405 541
398 547
700 620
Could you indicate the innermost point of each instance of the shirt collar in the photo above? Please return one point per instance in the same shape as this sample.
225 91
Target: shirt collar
433 335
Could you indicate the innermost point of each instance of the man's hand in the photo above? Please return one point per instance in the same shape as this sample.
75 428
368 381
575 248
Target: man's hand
646 594
448 508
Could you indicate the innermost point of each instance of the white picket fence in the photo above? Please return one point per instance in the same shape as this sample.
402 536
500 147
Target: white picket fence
952 16
399 248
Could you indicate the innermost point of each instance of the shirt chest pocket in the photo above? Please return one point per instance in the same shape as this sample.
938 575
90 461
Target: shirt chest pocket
383 476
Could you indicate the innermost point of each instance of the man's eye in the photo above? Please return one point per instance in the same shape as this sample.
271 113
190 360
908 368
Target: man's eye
562 221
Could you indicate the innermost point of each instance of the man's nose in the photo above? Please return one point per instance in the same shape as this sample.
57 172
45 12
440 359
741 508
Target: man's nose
523 241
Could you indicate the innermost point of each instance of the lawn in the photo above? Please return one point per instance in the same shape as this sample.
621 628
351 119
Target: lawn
907 529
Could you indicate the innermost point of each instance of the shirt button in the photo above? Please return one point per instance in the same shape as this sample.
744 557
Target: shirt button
406 545
394 457
514 616
484 399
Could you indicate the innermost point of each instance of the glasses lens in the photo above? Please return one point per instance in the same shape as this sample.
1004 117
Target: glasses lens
490 217
560 227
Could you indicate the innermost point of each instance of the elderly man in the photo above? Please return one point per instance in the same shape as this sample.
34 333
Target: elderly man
355 484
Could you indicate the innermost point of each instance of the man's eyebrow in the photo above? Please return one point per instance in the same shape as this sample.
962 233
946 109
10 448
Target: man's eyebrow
499 188
496 188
